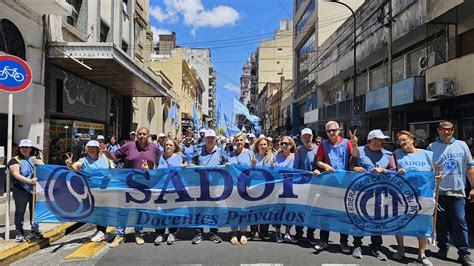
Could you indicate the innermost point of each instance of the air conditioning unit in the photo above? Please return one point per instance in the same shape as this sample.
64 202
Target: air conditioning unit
422 65
441 88
340 96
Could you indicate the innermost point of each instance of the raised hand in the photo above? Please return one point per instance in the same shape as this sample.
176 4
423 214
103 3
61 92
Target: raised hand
69 160
254 160
145 165
402 171
353 138
102 148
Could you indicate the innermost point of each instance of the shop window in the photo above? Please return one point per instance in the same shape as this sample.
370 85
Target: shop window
104 31
11 40
59 95
76 9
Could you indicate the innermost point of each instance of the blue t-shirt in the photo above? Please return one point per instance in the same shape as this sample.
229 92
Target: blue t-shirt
305 158
421 160
371 159
176 160
260 160
453 159
214 158
188 152
281 161
113 147
101 163
244 158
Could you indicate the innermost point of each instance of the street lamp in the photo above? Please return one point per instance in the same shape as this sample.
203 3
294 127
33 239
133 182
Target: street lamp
355 106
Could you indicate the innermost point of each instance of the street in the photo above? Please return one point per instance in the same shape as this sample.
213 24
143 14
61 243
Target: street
209 253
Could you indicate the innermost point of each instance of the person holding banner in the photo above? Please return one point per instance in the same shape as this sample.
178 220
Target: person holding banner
373 158
455 160
170 158
240 156
132 154
209 155
409 158
335 154
22 168
285 158
262 156
305 160
93 160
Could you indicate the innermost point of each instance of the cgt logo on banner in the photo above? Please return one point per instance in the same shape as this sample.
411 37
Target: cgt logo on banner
345 202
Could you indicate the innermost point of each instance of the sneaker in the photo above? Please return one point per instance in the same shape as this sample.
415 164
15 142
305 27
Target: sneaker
255 236
278 238
442 254
36 235
400 254
287 238
158 240
424 260
19 238
312 241
296 239
215 238
243 240
139 240
378 254
466 260
322 245
117 241
171 239
345 248
357 252
99 236
234 241
266 236
197 239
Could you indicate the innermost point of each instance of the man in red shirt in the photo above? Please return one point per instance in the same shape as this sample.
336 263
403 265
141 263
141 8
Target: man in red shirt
334 154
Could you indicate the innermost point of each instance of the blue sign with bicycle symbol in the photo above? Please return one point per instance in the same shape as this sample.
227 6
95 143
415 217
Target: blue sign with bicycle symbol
15 74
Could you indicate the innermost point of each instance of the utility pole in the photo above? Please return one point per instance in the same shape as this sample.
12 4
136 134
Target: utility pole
390 69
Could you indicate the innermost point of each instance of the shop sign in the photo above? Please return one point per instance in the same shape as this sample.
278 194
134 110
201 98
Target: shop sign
311 116
403 92
88 125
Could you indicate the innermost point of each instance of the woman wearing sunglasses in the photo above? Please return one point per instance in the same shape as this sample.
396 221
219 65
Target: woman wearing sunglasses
263 156
240 156
285 158
410 158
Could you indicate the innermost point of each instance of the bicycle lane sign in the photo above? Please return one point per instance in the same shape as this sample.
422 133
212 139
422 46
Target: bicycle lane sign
15 74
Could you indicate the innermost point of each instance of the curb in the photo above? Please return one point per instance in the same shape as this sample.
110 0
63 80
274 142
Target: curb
28 248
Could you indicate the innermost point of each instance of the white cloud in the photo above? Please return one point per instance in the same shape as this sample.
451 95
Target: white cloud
195 15
232 88
157 32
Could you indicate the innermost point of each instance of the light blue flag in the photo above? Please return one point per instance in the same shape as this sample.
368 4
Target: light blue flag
241 109
218 115
360 204
196 123
231 130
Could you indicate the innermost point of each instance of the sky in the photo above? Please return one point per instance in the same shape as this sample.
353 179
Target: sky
232 30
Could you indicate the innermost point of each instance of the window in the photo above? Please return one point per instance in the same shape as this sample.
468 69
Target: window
11 40
124 46
305 17
76 9
104 31
59 95
306 62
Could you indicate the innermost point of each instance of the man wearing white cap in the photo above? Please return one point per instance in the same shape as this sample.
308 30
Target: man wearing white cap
305 160
161 142
373 158
132 135
101 139
209 155
200 141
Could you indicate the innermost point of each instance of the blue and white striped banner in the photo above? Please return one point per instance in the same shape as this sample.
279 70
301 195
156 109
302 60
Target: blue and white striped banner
346 202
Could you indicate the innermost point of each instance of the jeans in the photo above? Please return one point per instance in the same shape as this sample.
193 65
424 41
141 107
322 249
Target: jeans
376 241
452 224
23 198
121 231
309 232
324 235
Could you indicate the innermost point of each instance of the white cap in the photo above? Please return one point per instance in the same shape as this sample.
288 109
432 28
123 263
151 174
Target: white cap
210 133
132 132
251 135
92 143
306 131
261 136
376 134
26 143
203 130
246 141
100 137
270 139
161 135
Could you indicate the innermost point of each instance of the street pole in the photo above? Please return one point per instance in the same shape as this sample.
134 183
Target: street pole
9 156
65 139
390 69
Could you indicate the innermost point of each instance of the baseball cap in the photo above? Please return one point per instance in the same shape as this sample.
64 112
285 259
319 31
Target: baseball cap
100 137
376 134
210 133
202 131
251 135
26 143
306 131
161 135
92 143
261 136
132 133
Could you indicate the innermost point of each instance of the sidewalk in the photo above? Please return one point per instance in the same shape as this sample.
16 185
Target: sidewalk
11 250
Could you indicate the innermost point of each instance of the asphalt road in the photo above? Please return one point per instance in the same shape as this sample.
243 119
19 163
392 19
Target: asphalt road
209 253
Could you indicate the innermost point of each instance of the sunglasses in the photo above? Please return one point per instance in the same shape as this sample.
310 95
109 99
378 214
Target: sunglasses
284 143
332 130
446 129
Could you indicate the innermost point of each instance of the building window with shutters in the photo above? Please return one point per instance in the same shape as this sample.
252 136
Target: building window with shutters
11 40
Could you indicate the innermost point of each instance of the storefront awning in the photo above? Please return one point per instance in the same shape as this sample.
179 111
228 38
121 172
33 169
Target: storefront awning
109 67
